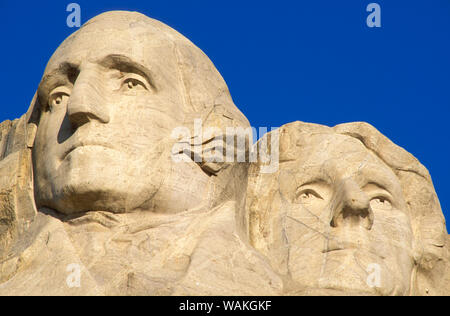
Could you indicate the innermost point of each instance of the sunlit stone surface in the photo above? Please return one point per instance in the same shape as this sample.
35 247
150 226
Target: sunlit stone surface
93 200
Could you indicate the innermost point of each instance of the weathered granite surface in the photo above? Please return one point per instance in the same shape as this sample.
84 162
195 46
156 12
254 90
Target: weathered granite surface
91 179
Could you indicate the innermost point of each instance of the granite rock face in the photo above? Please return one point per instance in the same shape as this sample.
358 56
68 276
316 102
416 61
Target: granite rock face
113 184
348 213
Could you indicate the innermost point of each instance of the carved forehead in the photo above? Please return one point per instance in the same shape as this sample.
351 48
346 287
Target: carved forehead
318 148
312 144
119 32
331 156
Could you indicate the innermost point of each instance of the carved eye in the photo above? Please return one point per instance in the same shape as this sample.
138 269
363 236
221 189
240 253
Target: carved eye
381 203
133 85
58 98
308 196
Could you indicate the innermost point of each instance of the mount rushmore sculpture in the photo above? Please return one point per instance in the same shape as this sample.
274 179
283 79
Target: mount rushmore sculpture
108 186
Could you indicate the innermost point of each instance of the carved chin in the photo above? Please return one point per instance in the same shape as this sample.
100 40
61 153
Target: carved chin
91 196
102 189
350 272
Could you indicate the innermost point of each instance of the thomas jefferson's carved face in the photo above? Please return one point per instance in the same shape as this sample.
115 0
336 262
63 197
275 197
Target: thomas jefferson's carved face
109 104
344 219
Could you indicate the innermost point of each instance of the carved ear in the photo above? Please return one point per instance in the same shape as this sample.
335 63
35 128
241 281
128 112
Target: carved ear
32 118
20 133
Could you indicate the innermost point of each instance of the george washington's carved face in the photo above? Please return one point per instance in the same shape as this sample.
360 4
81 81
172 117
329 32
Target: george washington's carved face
342 219
111 97
109 103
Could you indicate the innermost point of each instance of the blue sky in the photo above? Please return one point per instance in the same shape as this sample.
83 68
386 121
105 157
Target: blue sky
315 61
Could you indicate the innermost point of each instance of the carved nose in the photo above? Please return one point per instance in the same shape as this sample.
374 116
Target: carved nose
352 207
87 101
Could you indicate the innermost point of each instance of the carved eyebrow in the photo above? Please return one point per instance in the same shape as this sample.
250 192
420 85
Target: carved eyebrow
313 182
65 73
380 188
383 181
66 69
126 64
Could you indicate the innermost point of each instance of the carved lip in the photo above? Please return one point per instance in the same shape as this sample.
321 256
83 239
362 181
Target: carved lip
342 246
336 249
85 144
349 247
